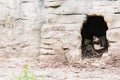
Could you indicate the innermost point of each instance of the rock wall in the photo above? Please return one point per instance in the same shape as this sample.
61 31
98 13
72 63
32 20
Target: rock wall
64 20
50 29
20 27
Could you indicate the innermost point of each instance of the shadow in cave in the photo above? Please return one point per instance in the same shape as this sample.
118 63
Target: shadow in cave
93 32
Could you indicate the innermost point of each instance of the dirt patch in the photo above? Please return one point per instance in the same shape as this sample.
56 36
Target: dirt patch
10 68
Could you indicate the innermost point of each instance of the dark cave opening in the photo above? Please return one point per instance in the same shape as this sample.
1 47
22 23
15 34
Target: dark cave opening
93 32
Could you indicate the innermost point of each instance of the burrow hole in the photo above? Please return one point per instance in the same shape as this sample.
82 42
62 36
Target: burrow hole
93 32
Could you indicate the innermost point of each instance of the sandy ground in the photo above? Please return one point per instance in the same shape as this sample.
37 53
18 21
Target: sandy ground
11 68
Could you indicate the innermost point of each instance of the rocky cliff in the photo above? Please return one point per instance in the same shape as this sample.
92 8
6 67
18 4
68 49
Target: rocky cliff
50 29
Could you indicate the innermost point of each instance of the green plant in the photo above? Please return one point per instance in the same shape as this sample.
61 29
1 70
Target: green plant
26 75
